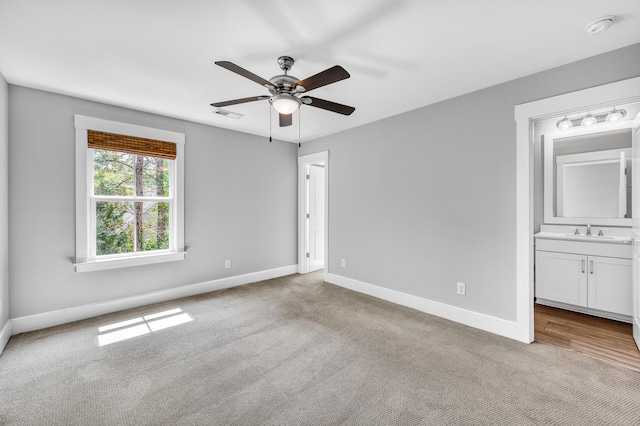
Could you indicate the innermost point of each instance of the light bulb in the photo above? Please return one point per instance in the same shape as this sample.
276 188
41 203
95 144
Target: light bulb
588 121
285 104
564 124
615 116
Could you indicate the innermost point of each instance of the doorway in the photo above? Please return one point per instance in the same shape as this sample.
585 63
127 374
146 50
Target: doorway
624 91
588 310
565 327
313 178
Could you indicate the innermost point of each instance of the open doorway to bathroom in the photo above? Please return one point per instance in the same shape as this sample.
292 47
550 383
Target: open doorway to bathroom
583 258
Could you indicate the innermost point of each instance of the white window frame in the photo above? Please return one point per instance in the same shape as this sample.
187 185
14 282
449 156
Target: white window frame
86 259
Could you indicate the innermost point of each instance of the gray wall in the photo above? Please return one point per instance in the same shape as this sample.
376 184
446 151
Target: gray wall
422 200
240 204
4 200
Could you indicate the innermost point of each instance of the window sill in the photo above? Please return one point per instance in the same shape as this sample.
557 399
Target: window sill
100 265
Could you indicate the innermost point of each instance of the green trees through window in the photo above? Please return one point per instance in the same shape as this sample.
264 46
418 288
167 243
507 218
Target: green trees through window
132 202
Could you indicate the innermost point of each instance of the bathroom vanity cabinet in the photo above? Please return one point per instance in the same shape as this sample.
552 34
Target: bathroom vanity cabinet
585 274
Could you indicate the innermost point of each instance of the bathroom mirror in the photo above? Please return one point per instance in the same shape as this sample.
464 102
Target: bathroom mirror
587 176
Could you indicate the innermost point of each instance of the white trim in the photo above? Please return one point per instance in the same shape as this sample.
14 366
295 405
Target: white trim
107 126
82 201
621 92
470 318
618 93
303 161
178 205
5 335
114 263
76 313
596 157
524 231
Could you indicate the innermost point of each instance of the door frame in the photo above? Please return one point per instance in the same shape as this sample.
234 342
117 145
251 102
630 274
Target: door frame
620 92
303 162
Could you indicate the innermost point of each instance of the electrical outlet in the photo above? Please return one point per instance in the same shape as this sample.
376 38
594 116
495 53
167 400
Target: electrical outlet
462 289
344 263
227 264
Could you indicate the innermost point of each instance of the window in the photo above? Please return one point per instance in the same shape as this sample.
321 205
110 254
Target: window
129 192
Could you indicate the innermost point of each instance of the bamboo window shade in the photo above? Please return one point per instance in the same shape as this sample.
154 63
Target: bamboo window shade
131 145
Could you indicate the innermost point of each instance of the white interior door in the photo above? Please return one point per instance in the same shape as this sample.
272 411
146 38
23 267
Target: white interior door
636 229
316 217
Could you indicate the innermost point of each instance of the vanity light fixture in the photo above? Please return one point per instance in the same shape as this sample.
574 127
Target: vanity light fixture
615 116
588 121
564 124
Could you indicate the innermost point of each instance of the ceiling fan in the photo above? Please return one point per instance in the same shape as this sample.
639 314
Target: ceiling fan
286 90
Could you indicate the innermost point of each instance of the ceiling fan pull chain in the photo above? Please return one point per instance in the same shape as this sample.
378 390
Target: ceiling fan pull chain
269 123
299 114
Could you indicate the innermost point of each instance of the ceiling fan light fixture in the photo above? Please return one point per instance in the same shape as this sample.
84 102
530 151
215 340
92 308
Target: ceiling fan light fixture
285 104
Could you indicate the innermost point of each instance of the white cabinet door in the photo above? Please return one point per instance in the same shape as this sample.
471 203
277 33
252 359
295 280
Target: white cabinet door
610 284
561 277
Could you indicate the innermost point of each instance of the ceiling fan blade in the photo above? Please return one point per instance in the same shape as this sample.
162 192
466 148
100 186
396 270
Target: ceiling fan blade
247 74
328 105
239 101
286 120
328 76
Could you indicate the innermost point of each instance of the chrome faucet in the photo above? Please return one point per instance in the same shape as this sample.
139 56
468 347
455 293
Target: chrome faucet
589 229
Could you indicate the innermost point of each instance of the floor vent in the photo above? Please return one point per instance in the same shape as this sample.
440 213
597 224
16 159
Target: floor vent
228 113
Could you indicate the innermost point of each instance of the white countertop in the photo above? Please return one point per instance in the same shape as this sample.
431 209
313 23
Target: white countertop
612 239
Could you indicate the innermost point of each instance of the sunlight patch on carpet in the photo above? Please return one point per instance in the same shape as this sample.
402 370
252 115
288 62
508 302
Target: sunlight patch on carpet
124 330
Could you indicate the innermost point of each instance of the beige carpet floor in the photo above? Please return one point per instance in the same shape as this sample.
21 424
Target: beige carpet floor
297 351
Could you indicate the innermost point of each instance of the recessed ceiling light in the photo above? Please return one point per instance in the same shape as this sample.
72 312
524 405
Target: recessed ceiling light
600 25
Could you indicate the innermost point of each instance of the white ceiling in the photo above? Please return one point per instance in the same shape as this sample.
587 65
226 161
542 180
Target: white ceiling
158 55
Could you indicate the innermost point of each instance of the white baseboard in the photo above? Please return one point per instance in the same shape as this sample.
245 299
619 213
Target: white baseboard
636 331
76 313
472 319
5 335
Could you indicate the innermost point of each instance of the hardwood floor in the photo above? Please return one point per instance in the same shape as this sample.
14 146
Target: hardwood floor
594 336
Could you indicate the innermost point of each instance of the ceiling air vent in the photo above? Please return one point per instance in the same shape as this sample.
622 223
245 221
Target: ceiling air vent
228 113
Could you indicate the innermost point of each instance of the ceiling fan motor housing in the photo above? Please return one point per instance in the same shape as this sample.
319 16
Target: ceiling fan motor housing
284 82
